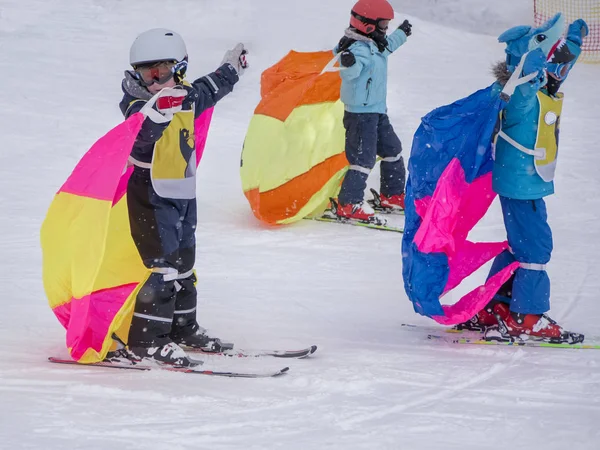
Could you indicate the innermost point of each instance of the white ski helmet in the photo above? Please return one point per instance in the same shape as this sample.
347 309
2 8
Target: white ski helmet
158 44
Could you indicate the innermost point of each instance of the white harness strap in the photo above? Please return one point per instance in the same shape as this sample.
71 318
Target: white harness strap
330 67
516 79
138 163
538 153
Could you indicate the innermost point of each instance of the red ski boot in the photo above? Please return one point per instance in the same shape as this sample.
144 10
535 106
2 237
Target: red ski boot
486 317
356 211
393 202
539 327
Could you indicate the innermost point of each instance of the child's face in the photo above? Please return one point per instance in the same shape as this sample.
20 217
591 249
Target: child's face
155 87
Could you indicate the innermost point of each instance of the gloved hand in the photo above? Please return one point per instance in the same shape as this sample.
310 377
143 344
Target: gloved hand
577 31
406 26
345 43
168 103
535 62
236 57
347 59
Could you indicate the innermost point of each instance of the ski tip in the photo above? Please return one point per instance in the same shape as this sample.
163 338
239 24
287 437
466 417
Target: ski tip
309 352
282 371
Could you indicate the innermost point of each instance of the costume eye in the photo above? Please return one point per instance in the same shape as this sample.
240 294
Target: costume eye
540 37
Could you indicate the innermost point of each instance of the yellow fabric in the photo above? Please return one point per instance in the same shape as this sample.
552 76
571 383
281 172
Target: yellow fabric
109 260
276 152
548 127
88 217
121 263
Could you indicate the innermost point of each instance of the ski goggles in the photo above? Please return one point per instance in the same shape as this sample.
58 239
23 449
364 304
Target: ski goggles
158 73
559 70
382 24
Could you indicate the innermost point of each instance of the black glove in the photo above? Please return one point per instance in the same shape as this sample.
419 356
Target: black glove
347 59
406 27
345 43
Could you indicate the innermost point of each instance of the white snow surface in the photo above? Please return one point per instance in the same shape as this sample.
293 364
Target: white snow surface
371 385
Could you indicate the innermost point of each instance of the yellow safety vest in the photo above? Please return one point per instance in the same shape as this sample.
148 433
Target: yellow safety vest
547 134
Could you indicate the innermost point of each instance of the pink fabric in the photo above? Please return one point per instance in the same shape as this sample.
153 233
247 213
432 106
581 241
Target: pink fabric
444 227
122 186
447 217
475 301
97 174
470 257
201 125
88 319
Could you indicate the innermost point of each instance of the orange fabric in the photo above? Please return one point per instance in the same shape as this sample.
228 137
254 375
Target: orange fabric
274 205
294 81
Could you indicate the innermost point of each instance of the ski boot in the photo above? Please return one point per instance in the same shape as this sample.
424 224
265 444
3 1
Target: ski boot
383 203
517 327
168 354
395 203
486 317
356 212
202 341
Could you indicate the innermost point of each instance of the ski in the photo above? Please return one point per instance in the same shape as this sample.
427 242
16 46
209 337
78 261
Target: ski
375 203
453 336
241 353
516 342
198 370
378 223
358 223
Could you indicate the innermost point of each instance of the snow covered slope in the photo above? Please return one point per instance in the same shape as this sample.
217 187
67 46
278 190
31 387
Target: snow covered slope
371 385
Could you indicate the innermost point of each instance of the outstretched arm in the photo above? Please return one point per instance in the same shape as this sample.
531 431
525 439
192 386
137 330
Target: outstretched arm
399 36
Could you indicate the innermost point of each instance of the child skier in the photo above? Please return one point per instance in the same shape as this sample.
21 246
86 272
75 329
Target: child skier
525 160
161 194
364 52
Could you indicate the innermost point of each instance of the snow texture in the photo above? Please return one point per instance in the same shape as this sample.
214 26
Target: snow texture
371 385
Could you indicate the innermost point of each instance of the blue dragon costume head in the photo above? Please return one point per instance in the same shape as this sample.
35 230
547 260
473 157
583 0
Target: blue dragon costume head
561 52
523 39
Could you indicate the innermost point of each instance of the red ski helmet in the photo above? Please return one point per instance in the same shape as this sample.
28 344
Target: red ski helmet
366 14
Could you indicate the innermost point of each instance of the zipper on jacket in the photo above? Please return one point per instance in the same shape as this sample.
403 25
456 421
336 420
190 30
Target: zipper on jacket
368 92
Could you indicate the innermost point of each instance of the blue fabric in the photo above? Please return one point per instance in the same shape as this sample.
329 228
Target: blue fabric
530 241
462 130
369 135
364 85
